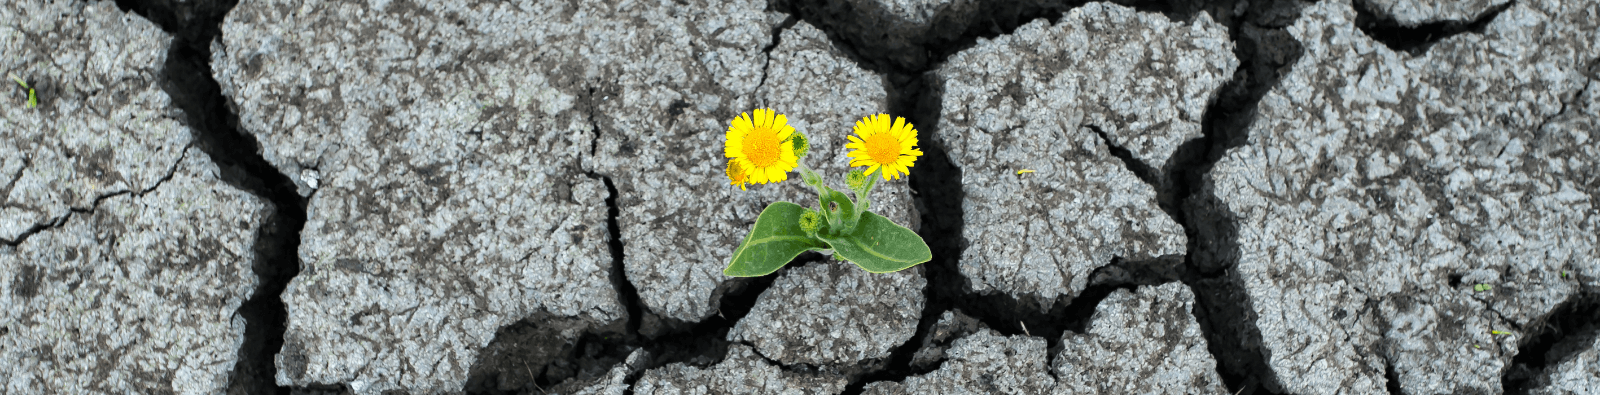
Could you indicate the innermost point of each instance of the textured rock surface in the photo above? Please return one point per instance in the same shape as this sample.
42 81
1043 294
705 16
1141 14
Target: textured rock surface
1139 343
615 381
834 314
899 31
138 296
952 324
662 145
103 125
450 155
523 353
1571 139
742 372
1417 12
1579 374
124 256
1401 220
1146 342
1143 80
442 144
1029 100
1378 190
983 363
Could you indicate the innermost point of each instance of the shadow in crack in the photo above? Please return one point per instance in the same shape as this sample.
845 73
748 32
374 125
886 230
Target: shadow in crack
936 186
187 79
1415 40
1568 330
531 356
1266 52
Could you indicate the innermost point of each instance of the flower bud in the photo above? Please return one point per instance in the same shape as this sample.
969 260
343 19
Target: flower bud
856 179
810 221
737 175
801 145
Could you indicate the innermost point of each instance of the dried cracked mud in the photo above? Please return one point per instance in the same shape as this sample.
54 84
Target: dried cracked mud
527 197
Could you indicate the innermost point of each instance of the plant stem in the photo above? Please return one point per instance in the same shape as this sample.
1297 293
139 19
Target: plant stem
864 196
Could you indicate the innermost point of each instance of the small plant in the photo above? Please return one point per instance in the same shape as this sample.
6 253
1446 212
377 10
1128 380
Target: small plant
764 149
33 99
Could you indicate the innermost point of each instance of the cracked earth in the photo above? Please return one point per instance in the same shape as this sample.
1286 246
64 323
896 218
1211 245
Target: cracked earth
527 197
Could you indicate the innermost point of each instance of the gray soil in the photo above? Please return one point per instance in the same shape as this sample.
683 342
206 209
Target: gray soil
527 197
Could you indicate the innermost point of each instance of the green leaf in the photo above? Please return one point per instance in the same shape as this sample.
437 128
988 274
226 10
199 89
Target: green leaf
880 246
775 240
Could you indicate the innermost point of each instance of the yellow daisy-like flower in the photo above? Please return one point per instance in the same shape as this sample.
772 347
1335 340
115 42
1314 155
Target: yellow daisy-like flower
882 144
759 147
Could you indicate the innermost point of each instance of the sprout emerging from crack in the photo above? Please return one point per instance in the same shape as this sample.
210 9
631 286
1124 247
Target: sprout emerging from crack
764 148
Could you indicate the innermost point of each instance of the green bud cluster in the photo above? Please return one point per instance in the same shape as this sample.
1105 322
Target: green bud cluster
810 221
856 179
801 145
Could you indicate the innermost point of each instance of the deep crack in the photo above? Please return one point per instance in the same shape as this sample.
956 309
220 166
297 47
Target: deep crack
1568 330
626 293
1416 40
1265 52
1262 46
777 38
1134 165
939 196
187 80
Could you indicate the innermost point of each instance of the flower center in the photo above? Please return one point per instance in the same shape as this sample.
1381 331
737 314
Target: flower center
882 148
761 147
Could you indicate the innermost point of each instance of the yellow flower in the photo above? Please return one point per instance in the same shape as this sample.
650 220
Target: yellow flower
736 174
759 146
881 144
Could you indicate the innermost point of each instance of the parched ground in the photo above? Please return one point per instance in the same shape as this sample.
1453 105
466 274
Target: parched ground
499 197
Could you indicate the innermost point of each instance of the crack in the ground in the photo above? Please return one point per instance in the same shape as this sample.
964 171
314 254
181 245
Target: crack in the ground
5 193
777 38
1392 378
187 80
1416 40
1260 48
1134 165
936 182
571 365
58 222
1567 330
626 293
594 145
530 355
35 229
1567 104
1265 52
